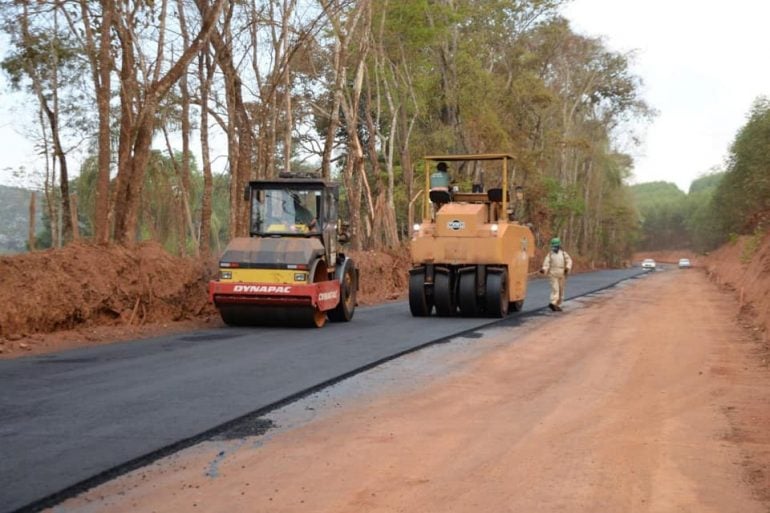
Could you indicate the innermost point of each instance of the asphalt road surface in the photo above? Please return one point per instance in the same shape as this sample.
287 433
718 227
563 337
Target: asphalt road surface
79 415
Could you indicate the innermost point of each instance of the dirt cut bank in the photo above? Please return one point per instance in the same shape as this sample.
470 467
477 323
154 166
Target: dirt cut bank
89 285
743 266
86 294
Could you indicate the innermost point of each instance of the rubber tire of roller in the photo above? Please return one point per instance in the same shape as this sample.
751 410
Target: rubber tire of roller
466 297
443 295
419 303
497 294
344 311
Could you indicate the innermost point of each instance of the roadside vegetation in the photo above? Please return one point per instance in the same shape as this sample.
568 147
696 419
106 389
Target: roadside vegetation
718 207
126 93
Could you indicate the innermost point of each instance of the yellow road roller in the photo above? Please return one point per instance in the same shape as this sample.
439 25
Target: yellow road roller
291 270
468 255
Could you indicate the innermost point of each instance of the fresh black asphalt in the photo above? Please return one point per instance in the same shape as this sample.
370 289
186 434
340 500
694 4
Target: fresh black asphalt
68 417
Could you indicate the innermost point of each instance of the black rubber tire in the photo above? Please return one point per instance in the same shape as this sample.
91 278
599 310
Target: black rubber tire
443 295
419 303
516 306
497 294
466 296
344 311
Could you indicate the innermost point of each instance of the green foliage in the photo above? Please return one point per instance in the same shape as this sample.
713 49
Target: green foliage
562 201
706 183
652 194
37 54
743 196
703 221
720 206
163 218
465 76
752 245
663 215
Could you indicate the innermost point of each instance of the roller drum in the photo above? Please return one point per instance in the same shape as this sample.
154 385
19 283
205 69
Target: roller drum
251 315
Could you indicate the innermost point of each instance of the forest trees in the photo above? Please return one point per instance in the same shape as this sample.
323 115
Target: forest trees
742 199
719 205
356 90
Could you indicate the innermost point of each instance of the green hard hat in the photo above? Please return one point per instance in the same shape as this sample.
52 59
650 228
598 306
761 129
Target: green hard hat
556 241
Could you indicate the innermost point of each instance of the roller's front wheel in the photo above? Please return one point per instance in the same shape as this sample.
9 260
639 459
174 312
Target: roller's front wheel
319 318
443 294
344 311
469 305
419 302
497 294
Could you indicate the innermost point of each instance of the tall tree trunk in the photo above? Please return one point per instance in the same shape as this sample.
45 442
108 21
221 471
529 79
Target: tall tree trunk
49 185
286 75
102 73
340 70
69 227
74 217
205 71
52 116
240 140
131 170
101 63
354 172
186 154
32 220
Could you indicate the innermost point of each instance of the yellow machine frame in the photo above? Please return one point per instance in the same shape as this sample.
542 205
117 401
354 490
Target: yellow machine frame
456 250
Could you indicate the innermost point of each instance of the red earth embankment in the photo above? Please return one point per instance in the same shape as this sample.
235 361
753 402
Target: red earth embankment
383 274
86 294
744 267
84 285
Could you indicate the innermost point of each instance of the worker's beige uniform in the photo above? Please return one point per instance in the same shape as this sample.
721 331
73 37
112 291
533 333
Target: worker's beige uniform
555 265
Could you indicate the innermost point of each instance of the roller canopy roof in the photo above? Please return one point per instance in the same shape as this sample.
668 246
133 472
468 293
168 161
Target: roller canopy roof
480 156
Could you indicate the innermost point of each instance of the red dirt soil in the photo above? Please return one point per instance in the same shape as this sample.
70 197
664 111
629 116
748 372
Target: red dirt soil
594 410
86 294
742 266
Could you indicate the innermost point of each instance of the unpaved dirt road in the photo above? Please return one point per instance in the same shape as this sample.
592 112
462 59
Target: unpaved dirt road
648 399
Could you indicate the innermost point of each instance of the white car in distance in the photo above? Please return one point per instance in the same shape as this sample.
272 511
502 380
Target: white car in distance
648 264
684 263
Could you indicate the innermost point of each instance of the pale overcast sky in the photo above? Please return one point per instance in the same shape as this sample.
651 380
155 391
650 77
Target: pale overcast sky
703 63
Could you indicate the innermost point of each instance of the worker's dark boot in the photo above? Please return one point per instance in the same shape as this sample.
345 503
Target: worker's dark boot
552 306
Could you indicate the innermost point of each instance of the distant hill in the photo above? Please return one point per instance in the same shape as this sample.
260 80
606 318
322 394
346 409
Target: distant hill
14 218
672 219
653 194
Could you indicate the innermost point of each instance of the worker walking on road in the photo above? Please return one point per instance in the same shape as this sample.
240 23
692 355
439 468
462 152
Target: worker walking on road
557 265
